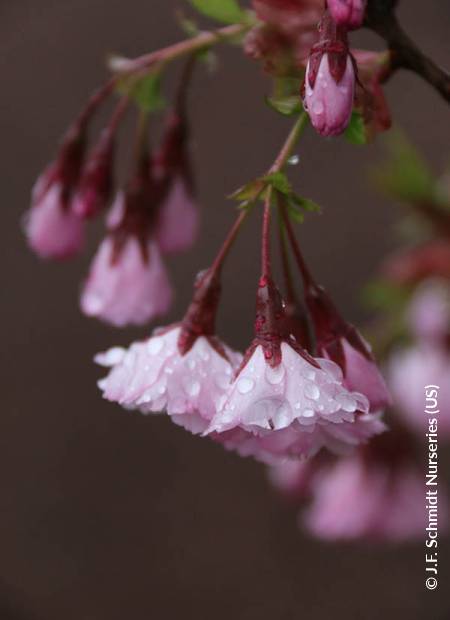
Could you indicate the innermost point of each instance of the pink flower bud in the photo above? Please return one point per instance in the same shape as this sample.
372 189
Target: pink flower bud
348 13
129 286
329 98
95 186
52 229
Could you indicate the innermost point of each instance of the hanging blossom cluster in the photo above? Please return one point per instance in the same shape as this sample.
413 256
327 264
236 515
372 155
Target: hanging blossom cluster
307 385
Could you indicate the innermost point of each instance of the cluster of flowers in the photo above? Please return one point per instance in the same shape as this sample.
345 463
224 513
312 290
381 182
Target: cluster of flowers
153 215
337 80
377 491
308 380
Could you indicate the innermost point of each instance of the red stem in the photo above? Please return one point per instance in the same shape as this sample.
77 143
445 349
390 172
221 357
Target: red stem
308 280
288 283
229 240
266 266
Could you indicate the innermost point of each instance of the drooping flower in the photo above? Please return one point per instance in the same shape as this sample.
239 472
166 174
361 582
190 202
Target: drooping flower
341 343
128 282
183 369
370 101
96 181
284 403
423 369
178 222
432 259
329 85
51 227
348 13
126 286
377 493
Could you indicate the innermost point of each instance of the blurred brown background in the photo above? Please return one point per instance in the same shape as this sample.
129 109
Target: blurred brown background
106 515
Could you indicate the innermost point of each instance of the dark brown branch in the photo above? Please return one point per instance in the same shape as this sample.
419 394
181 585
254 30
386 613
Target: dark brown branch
381 18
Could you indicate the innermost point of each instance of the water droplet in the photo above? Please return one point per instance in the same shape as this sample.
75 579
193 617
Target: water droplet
317 107
312 391
308 413
155 345
245 385
293 160
191 386
347 402
275 375
283 416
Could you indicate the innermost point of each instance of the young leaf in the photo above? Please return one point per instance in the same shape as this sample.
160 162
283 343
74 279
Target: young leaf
356 131
147 93
227 11
305 204
287 106
279 181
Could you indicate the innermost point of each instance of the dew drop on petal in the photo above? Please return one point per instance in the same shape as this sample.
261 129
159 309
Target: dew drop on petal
312 391
245 385
155 345
191 386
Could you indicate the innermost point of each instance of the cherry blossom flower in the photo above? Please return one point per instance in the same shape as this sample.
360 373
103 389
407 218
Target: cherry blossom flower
183 369
51 227
129 286
284 403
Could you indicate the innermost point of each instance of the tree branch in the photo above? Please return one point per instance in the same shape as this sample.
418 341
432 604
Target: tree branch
381 18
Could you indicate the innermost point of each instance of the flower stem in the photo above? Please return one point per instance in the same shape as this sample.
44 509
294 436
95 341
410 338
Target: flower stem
289 145
227 244
172 52
308 280
278 165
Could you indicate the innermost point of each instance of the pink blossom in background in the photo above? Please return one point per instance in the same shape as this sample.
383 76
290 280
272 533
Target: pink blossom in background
154 375
178 223
52 229
128 285
348 13
329 102
429 311
358 499
408 372
427 361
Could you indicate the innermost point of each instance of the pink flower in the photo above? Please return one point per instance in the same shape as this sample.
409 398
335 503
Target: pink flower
128 285
155 375
184 369
284 403
52 229
348 13
179 219
408 372
329 101
429 312
361 498
96 182
426 363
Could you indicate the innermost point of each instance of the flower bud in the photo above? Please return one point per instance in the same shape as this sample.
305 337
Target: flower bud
348 13
51 227
329 81
95 186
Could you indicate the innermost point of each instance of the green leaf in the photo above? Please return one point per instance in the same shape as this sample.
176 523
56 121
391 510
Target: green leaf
227 11
279 181
405 175
146 92
287 106
305 204
356 131
249 193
